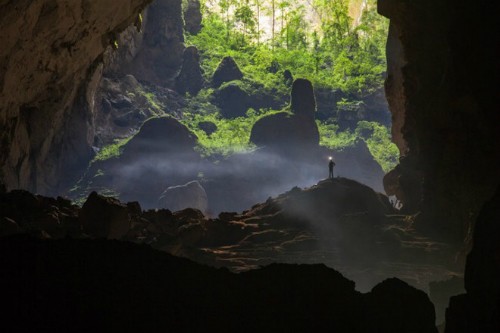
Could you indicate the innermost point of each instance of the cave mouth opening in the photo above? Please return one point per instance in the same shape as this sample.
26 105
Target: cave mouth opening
219 107
226 76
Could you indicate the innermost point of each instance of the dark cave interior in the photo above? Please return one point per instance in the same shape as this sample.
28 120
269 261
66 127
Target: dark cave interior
278 249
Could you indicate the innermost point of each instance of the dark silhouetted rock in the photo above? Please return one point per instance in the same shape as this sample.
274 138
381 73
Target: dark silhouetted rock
192 17
140 289
479 309
290 131
441 88
397 307
284 130
232 100
207 126
357 162
440 293
8 227
227 71
190 195
302 100
161 135
104 217
190 79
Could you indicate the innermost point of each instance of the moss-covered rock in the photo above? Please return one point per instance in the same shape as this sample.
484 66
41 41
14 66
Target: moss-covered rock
227 71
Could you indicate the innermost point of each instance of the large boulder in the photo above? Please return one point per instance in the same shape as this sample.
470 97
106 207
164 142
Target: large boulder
293 130
190 79
284 130
159 136
106 217
227 71
397 307
232 100
190 195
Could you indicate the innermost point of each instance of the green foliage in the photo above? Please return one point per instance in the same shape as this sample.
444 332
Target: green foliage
112 150
337 54
378 140
332 138
232 135
376 136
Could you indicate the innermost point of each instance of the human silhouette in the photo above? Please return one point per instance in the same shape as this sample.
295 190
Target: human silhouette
330 168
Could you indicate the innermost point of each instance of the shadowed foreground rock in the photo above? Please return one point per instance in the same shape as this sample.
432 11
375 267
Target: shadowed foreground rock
479 309
81 285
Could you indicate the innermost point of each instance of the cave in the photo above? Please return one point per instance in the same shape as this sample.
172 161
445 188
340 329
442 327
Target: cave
94 236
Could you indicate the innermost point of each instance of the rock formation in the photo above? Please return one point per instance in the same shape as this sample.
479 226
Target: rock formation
227 71
158 57
192 17
479 309
127 287
232 100
104 217
441 91
290 131
190 195
162 135
50 65
190 79
355 226
388 303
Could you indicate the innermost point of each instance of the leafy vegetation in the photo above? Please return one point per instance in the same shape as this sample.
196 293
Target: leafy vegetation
317 40
337 44
232 135
110 151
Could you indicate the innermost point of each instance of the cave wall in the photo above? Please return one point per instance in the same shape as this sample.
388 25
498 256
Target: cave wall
153 54
50 64
441 87
53 56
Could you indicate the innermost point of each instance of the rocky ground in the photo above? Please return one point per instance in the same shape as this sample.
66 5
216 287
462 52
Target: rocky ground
103 285
339 222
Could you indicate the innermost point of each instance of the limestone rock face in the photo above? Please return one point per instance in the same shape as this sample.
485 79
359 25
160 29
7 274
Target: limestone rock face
296 130
104 217
50 55
440 85
479 309
190 79
227 70
190 195
158 57
192 17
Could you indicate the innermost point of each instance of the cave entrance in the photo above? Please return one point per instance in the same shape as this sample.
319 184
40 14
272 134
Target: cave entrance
225 73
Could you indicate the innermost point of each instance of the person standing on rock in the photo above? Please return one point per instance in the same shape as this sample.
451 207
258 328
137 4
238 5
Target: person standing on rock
330 168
